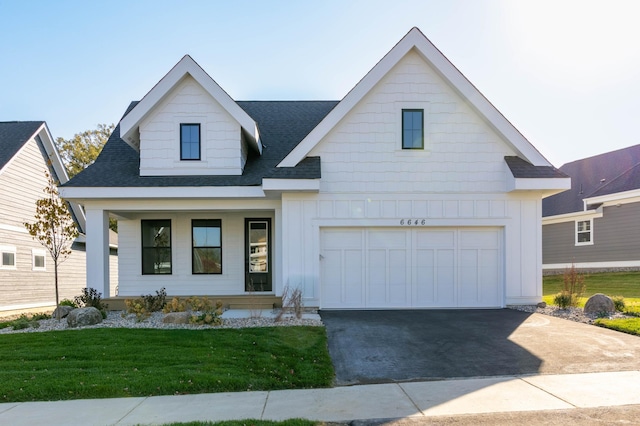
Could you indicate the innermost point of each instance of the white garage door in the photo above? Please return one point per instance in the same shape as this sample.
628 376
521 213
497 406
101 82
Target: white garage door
404 268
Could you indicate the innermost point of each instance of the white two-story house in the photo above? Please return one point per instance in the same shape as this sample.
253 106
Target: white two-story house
413 191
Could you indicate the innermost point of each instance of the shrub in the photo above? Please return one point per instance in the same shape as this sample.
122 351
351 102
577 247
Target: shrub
23 321
618 302
573 288
176 305
68 302
291 300
144 305
91 297
564 300
209 315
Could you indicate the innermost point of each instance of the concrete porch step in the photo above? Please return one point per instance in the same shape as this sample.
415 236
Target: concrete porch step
249 301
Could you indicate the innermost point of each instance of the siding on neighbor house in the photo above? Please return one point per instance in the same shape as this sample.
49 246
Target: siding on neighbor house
21 183
616 237
181 282
363 153
221 150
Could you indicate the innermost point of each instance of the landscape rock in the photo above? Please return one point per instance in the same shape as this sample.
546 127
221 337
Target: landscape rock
598 304
542 305
177 318
64 311
84 316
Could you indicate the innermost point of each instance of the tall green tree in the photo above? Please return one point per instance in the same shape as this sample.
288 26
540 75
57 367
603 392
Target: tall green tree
81 151
83 148
54 228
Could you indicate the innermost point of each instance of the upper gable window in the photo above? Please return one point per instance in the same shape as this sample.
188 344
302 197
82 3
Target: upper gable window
189 141
412 129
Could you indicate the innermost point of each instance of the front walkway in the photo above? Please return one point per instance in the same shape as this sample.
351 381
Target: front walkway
416 401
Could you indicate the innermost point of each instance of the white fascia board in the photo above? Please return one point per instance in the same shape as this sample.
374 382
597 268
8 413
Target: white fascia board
615 198
129 123
291 185
549 185
174 192
418 41
572 217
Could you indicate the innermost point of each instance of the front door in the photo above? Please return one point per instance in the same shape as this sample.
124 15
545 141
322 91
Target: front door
257 255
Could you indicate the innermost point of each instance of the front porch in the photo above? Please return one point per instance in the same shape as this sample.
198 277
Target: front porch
248 301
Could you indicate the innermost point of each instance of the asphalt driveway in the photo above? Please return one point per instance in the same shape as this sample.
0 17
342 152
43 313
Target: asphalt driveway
405 345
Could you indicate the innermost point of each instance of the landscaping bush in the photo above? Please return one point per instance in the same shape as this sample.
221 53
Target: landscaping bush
68 302
207 313
618 302
564 300
91 297
144 305
573 288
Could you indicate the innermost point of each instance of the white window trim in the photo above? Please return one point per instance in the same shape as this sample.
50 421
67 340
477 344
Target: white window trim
588 243
424 106
9 249
38 252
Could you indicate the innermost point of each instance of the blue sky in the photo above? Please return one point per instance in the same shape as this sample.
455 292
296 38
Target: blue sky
564 72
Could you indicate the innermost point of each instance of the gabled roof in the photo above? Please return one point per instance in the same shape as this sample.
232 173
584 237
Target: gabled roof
608 173
13 137
187 66
415 40
282 125
522 169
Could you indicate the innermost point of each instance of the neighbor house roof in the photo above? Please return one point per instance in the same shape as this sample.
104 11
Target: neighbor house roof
608 173
13 136
283 124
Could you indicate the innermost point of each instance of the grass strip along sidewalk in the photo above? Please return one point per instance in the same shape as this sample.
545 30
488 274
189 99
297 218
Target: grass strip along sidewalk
109 363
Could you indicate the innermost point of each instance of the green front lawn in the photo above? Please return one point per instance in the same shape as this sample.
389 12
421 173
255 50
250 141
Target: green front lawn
108 363
626 284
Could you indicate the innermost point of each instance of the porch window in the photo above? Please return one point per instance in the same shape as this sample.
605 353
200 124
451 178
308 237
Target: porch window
156 247
584 232
206 256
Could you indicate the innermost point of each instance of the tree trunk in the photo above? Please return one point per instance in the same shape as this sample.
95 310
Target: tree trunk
55 269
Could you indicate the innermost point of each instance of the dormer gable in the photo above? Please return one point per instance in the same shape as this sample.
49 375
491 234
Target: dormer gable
188 125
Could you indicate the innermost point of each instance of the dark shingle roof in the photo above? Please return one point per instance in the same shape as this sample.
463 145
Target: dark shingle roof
525 170
13 135
607 173
282 125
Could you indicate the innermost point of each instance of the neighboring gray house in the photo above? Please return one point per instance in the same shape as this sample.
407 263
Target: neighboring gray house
27 151
596 224
412 191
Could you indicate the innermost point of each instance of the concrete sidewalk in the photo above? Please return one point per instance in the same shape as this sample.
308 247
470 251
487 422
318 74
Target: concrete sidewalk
416 400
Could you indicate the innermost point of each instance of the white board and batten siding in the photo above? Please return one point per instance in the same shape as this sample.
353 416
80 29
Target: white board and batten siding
221 151
468 237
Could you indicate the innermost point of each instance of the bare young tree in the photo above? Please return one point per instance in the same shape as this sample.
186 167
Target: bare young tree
54 228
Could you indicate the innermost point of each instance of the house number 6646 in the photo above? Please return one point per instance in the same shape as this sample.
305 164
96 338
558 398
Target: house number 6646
415 222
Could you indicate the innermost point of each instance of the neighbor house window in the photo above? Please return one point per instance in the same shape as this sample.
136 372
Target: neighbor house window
7 257
189 141
206 246
412 129
584 232
156 247
38 257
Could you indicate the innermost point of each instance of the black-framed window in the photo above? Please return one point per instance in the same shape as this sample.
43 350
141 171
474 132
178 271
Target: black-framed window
189 141
206 237
412 129
156 247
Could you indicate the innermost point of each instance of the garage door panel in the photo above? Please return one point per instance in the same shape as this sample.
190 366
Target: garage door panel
331 271
353 277
418 267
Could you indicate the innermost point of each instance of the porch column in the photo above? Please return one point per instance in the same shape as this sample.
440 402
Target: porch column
98 250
